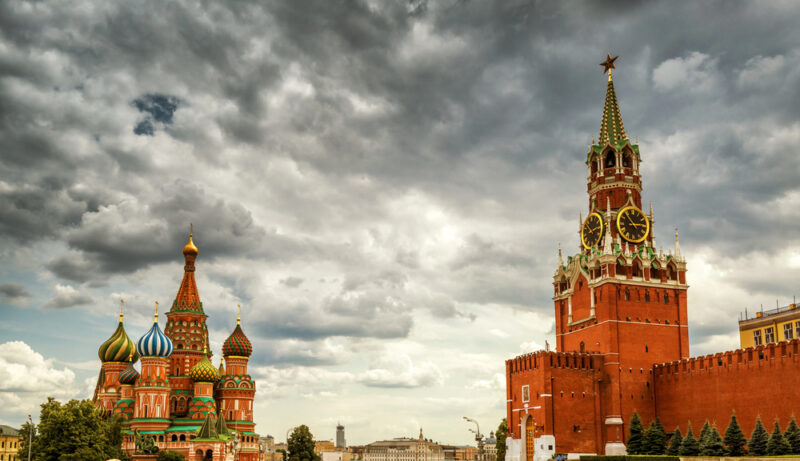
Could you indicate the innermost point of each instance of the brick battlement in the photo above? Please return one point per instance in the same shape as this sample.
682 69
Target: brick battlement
749 382
548 359
737 357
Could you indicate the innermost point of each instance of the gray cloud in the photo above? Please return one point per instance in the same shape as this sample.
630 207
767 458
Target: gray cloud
14 291
375 170
67 296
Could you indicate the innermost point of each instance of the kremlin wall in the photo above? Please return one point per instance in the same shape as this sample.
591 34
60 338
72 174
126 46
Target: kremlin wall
622 332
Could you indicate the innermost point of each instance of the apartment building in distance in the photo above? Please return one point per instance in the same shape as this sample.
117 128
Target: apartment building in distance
9 443
771 326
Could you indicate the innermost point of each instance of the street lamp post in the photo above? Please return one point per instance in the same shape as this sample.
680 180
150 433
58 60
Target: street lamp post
478 437
30 436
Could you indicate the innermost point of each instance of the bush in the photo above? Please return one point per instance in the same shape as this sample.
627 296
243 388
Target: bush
170 456
675 443
792 435
635 440
713 446
689 446
734 438
777 444
630 458
757 446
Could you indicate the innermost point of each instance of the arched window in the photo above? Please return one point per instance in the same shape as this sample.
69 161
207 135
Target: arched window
611 160
637 268
654 273
583 347
594 165
182 438
174 438
671 272
620 268
627 294
174 404
647 296
666 298
626 160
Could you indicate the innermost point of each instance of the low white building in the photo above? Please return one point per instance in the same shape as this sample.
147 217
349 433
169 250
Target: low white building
404 449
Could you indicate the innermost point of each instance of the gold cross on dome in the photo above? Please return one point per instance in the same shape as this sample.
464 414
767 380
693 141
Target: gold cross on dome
608 64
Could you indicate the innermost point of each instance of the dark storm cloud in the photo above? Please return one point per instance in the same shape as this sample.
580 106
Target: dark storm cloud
369 315
14 291
482 108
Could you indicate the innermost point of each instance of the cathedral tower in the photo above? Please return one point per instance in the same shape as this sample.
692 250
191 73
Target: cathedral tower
151 411
115 354
186 327
621 296
237 389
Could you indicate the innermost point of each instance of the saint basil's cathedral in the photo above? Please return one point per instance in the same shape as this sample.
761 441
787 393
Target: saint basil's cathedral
178 400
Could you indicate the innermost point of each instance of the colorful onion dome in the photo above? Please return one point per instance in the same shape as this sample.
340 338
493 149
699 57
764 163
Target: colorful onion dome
154 343
190 248
129 375
204 371
237 344
119 347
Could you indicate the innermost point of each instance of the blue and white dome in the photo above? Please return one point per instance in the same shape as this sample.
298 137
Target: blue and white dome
154 343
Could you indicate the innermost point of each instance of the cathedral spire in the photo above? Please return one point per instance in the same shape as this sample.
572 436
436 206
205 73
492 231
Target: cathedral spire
187 298
611 127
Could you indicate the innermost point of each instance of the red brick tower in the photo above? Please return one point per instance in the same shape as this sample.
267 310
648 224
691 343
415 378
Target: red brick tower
237 389
186 327
621 296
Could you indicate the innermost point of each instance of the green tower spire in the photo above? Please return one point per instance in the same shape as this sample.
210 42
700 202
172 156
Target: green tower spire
612 129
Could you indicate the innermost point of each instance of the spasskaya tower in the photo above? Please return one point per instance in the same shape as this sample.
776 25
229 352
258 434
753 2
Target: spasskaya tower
621 296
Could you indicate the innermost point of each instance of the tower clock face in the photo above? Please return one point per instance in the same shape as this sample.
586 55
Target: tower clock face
592 230
632 224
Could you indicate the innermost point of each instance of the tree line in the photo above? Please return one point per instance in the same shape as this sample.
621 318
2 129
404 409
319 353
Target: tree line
656 441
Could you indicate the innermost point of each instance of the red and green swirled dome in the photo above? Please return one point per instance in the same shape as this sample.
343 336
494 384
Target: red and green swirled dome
237 344
129 375
118 348
204 371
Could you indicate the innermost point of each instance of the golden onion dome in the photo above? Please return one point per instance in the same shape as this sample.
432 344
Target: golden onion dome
204 371
190 249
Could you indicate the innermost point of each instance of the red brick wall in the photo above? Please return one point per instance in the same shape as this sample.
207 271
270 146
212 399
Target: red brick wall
564 398
713 387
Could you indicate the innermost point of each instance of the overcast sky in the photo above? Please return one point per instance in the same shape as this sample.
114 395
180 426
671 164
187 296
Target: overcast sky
381 185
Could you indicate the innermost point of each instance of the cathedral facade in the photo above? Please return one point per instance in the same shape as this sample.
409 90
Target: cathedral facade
178 400
622 332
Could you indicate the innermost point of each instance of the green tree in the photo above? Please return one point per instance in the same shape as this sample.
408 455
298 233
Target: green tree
713 446
75 431
675 443
689 446
757 446
655 439
636 436
777 444
792 436
501 434
734 438
704 433
170 456
301 445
